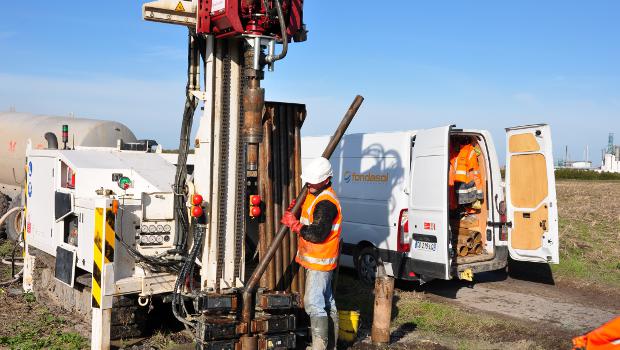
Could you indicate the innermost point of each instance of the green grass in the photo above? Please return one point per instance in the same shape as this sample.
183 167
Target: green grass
435 317
589 225
6 248
42 332
587 254
443 323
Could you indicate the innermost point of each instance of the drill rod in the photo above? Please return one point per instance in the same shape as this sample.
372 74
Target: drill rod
248 302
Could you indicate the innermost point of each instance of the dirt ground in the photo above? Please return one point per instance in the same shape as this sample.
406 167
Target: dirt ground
532 306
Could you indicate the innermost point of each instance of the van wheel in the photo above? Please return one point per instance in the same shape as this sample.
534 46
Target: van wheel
366 265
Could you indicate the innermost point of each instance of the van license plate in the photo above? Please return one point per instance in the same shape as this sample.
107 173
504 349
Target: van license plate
426 245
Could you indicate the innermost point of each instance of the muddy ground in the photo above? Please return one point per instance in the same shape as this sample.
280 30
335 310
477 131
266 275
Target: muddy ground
531 306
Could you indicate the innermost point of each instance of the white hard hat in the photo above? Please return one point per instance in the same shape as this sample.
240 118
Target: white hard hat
317 171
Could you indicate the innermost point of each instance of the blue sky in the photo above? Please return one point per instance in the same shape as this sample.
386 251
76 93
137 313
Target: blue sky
476 64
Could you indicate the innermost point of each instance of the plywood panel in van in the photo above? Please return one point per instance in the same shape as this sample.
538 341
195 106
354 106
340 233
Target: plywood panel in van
528 180
523 143
528 228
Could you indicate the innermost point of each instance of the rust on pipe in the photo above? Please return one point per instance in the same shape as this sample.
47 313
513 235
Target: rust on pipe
250 288
262 233
277 196
269 228
284 180
384 292
253 103
300 273
294 155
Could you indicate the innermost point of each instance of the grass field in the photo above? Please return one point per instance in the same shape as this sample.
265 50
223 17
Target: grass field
589 220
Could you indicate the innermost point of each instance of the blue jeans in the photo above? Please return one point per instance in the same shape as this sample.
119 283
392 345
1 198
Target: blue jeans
319 298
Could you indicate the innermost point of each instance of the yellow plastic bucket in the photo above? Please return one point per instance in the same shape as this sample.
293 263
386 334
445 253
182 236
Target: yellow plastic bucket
348 323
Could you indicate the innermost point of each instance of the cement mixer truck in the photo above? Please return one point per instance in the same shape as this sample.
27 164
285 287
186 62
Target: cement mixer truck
17 129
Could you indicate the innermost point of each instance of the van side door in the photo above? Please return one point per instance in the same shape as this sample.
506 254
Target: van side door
531 204
428 203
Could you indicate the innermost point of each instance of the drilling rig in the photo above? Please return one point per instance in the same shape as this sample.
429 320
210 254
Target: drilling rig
127 226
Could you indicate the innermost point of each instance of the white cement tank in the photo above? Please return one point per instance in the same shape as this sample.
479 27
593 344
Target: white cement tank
17 128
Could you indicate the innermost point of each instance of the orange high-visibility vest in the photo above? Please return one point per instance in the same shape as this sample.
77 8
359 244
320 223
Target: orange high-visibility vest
606 337
451 174
319 256
467 168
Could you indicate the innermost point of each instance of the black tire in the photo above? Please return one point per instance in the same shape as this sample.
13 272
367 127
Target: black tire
366 265
13 231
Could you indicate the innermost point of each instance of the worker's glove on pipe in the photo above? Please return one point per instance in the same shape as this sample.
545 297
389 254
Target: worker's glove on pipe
289 220
290 206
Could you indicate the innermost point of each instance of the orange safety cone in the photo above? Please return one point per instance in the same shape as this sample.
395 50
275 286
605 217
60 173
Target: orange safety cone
606 337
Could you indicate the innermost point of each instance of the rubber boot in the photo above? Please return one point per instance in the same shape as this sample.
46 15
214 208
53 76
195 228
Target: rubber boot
320 332
334 327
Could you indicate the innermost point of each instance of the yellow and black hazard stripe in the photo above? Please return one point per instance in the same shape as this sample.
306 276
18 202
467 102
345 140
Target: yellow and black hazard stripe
103 251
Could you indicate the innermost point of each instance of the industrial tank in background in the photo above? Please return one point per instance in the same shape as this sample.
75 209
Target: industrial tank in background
17 128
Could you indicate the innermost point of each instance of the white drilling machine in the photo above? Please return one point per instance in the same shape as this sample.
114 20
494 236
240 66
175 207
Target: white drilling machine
119 227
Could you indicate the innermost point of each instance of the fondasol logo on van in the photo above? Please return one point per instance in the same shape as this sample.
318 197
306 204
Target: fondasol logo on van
365 177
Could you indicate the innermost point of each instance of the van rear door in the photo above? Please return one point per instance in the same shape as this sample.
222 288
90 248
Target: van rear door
428 203
531 205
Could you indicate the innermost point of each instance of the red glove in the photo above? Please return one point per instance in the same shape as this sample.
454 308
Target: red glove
289 220
290 206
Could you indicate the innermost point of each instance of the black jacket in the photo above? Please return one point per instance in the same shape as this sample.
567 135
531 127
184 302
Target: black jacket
325 212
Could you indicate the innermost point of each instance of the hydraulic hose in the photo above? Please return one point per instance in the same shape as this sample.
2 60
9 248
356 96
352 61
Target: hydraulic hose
191 103
271 58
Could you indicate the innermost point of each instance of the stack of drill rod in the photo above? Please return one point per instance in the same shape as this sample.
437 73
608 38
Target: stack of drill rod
279 173
468 242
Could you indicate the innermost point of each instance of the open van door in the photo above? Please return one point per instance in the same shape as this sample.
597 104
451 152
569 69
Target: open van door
428 203
531 205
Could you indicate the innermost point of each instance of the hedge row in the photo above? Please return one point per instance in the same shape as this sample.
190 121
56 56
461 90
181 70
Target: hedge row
576 174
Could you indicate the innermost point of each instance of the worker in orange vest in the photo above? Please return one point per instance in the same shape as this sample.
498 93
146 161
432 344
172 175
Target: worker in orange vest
606 337
467 178
318 231
454 152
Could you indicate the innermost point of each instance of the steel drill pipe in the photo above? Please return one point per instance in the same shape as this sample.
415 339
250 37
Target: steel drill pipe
277 192
284 181
271 279
301 273
293 155
253 103
248 292
262 186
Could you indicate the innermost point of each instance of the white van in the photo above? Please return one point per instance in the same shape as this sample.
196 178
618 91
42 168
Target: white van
393 188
